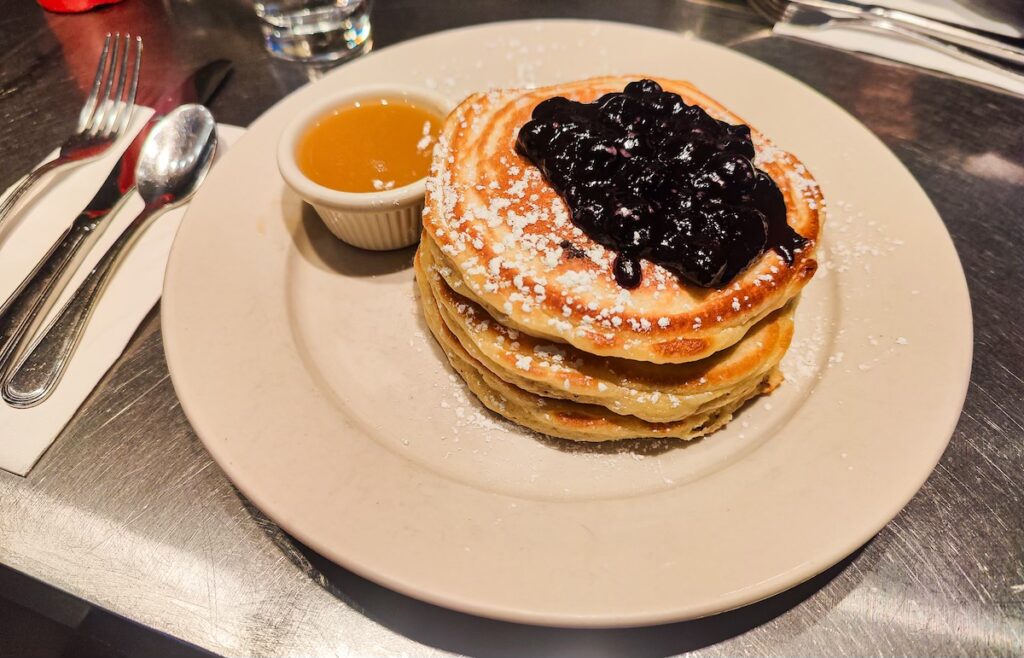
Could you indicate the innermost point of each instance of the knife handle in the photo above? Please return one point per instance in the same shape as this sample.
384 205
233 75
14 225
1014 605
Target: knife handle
22 311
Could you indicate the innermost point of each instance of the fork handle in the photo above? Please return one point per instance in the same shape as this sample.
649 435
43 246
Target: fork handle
20 312
990 44
39 371
997 45
949 48
26 183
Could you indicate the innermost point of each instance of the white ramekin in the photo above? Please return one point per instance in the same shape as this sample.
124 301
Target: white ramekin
388 219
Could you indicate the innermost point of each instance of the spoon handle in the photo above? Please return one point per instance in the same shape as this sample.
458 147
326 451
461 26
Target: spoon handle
37 374
31 301
23 308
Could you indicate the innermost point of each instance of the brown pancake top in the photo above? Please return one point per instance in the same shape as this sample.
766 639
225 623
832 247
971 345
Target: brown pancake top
499 227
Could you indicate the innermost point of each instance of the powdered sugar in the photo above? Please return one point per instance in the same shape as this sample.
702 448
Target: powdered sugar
498 207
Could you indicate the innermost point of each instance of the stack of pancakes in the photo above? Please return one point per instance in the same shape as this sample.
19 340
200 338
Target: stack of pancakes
528 311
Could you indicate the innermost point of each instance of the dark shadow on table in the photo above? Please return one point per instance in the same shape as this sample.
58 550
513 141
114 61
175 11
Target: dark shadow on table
487 638
476 636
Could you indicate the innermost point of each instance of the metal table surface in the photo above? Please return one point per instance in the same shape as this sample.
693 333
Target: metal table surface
128 512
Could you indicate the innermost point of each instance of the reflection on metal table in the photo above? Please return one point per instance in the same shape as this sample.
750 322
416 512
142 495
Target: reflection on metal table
128 512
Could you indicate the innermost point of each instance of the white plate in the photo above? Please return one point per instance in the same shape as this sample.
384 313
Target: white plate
306 370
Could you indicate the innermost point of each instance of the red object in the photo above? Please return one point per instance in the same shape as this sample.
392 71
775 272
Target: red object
73 6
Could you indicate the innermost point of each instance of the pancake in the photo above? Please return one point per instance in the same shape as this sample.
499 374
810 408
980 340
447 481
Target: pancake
563 418
656 393
499 228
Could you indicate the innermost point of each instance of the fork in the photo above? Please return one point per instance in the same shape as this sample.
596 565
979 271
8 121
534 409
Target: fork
987 49
103 118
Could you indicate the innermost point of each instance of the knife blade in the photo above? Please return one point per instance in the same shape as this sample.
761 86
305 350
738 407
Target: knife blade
199 87
24 310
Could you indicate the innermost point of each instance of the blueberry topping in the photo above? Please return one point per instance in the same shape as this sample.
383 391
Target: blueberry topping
572 250
627 270
651 177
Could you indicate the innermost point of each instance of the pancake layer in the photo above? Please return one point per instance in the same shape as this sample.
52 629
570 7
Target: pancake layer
527 310
656 393
505 236
566 419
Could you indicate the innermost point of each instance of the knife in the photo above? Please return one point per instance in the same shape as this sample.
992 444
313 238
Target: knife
991 43
23 311
813 14
982 42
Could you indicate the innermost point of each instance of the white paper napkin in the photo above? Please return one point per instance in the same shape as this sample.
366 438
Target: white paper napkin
26 433
904 51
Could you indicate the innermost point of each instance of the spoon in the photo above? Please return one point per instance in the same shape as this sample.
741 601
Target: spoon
174 160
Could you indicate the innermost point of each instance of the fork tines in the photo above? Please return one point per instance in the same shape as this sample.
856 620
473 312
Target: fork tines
108 108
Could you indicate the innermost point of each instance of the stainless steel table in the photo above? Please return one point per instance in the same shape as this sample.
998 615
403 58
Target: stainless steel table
128 512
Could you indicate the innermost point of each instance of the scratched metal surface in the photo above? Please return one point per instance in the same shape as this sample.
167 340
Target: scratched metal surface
128 512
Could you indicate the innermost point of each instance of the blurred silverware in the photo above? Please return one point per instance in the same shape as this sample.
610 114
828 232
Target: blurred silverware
173 164
965 43
33 298
103 118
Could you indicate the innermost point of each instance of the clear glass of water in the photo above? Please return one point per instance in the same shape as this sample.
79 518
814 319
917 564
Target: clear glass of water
315 30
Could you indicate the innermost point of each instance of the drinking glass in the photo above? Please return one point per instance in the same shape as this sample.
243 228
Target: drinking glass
315 30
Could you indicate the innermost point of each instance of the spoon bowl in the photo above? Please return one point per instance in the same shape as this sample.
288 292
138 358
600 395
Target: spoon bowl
176 156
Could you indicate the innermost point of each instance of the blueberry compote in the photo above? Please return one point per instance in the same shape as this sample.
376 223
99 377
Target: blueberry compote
651 177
